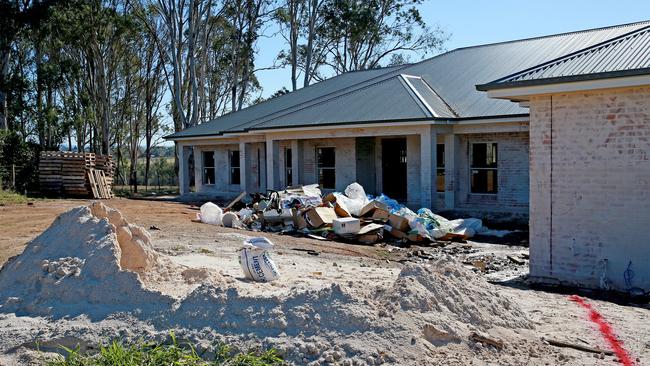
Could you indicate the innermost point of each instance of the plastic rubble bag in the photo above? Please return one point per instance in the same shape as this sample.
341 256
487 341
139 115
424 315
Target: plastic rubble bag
309 197
312 190
356 198
245 213
392 204
210 214
255 261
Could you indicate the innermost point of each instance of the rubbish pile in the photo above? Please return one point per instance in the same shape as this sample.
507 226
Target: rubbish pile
351 215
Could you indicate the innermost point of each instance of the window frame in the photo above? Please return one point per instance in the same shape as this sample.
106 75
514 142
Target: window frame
319 168
231 168
495 168
204 168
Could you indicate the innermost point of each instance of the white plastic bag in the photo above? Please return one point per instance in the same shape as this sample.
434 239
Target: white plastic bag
210 214
355 198
256 262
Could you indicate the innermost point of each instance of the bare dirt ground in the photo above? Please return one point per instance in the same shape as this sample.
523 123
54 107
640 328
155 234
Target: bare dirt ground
337 264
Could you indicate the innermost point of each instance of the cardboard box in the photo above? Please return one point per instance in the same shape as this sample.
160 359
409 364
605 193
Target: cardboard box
299 220
346 225
342 210
339 207
380 214
395 233
403 235
319 216
330 198
398 222
370 228
370 208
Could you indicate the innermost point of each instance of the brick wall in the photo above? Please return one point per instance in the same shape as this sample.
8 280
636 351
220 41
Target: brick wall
590 187
222 184
512 174
345 162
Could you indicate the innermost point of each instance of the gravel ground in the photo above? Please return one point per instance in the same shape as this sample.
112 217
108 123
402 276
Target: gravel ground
361 267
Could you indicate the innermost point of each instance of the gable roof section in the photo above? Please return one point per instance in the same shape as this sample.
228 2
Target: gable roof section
441 87
390 99
625 55
284 103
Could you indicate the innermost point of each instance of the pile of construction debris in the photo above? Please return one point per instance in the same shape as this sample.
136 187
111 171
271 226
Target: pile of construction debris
350 216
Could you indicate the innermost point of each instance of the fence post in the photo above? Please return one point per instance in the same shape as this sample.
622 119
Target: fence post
13 176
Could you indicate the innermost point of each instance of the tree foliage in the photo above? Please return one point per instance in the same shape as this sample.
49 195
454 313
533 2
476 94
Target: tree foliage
114 76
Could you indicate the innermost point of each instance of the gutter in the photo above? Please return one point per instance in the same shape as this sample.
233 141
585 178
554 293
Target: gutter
357 124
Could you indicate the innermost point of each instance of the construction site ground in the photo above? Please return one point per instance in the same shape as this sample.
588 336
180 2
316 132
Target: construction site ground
307 263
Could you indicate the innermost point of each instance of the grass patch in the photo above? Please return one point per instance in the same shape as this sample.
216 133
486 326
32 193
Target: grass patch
118 353
205 251
11 198
151 191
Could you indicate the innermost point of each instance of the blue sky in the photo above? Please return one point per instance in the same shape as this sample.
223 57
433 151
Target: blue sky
479 22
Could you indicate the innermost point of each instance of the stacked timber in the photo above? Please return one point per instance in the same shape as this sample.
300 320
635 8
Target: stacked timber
76 174
105 164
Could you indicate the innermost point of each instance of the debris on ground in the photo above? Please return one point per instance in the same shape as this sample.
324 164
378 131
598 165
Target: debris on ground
350 216
92 264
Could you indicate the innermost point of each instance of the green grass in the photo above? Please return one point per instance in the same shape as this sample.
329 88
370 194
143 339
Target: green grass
151 191
118 353
11 198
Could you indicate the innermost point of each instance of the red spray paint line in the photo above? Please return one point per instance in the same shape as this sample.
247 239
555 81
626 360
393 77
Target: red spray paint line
606 330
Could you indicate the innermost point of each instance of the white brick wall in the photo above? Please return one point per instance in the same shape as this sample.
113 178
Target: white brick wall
590 187
222 170
513 170
512 174
345 161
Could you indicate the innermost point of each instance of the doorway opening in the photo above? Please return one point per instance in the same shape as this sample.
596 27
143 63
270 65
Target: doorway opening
393 164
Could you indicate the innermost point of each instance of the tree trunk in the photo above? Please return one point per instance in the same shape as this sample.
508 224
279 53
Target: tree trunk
4 73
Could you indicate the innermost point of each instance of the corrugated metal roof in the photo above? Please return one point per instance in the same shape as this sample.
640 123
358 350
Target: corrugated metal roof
369 103
627 52
451 77
282 104
454 75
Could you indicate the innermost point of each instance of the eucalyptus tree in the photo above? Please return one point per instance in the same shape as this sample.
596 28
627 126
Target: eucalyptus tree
370 33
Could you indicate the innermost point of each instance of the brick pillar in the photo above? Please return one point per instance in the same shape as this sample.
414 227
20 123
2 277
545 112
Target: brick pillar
272 158
198 169
452 156
183 172
243 169
296 154
428 167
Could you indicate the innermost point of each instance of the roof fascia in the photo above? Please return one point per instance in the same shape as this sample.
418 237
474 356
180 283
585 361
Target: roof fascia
523 93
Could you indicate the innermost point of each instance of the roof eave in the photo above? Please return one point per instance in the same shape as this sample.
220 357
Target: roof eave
562 79
522 91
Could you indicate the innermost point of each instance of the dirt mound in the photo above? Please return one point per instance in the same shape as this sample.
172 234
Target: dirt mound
461 300
89 261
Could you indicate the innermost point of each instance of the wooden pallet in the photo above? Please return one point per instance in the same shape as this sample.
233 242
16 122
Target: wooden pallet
64 172
98 185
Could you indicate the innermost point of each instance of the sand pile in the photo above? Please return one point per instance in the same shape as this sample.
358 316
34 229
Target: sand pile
459 300
440 305
90 261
